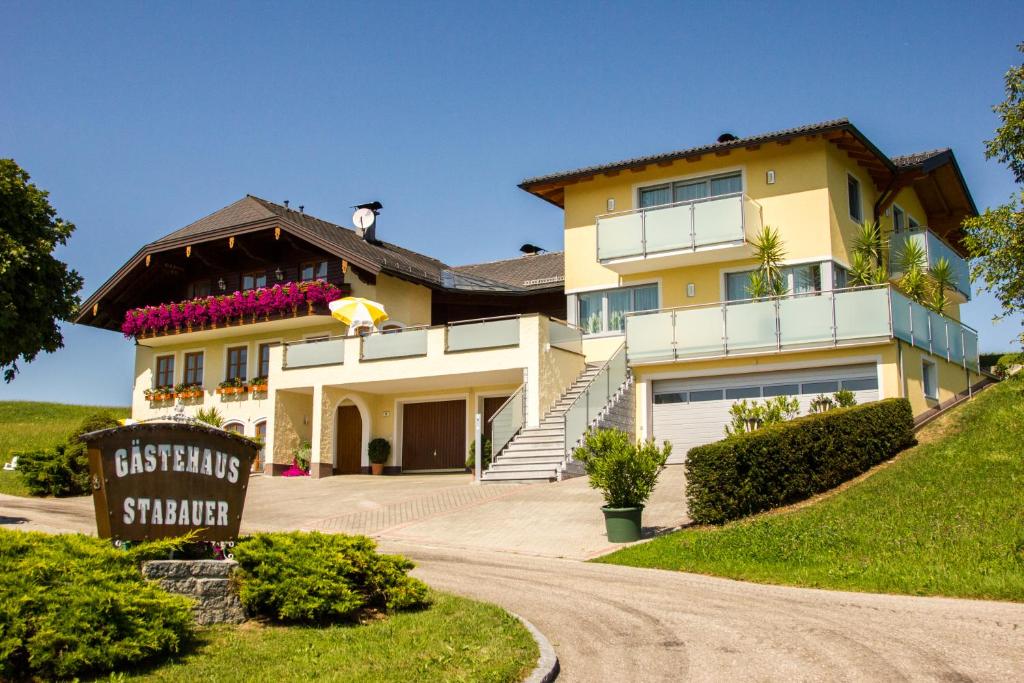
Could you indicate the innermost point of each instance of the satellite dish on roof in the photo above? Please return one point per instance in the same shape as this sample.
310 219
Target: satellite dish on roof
363 218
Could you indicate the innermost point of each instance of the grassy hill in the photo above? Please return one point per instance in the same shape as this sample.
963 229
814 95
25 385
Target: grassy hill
27 425
943 518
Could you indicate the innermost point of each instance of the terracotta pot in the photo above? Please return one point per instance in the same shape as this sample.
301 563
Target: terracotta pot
377 468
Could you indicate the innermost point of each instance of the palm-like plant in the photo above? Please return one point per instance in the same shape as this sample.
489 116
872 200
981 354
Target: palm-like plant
767 280
943 280
912 260
868 258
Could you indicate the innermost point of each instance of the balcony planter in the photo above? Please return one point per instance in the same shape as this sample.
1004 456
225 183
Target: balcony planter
190 395
623 524
230 391
257 388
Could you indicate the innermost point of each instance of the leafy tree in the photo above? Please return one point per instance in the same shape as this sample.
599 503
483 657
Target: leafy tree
36 289
995 239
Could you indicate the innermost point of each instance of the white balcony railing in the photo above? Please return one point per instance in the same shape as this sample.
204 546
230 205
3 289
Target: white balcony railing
803 321
683 226
935 248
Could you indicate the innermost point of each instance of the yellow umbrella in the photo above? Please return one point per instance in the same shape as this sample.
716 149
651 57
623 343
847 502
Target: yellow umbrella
356 311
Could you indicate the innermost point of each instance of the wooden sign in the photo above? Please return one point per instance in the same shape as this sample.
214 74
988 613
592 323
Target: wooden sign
163 479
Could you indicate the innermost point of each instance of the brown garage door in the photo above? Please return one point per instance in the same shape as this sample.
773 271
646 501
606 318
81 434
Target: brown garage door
434 435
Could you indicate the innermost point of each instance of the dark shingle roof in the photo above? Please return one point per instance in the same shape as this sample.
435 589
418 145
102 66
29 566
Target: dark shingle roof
808 129
907 160
540 271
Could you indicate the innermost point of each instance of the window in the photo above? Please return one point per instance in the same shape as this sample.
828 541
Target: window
254 280
899 219
689 190
706 395
314 270
238 360
673 397
853 190
800 279
261 434
860 384
820 387
606 311
264 369
912 224
928 379
840 276
781 390
236 427
743 392
165 371
199 289
193 367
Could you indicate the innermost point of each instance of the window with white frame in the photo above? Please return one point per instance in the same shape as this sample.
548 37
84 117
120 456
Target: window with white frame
605 311
689 190
929 379
801 279
853 192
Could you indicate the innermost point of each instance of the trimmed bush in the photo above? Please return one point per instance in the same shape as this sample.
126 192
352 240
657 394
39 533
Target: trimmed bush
790 461
72 605
313 577
64 470
623 470
378 451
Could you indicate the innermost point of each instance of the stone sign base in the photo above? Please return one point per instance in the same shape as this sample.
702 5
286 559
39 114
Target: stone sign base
208 582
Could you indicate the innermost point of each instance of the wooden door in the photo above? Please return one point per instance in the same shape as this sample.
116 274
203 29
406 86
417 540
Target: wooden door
349 441
491 406
434 435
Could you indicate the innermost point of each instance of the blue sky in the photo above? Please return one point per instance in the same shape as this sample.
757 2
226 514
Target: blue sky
140 118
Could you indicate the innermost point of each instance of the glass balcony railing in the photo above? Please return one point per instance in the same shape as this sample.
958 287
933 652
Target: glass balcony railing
935 248
482 334
802 321
683 226
312 353
406 343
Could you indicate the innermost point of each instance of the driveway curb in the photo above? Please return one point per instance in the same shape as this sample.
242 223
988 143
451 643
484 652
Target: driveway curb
547 668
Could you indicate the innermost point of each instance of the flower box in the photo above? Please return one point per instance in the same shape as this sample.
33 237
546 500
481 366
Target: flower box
189 394
229 391
257 388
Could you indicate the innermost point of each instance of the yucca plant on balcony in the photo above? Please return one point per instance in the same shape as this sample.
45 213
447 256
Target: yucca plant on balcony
868 258
943 281
767 280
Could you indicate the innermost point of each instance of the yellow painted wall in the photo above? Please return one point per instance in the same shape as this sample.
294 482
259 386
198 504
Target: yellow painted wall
405 302
796 204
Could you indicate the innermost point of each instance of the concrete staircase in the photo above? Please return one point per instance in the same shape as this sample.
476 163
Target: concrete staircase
538 453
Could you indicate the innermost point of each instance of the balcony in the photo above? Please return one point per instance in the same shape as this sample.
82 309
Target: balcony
846 317
480 352
680 234
935 248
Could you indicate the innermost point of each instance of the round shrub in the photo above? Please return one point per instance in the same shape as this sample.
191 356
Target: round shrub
313 577
624 471
71 605
378 451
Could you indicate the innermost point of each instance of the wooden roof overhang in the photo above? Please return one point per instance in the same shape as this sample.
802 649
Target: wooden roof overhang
161 258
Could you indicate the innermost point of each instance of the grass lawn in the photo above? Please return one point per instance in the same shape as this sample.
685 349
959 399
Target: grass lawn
943 518
26 425
454 640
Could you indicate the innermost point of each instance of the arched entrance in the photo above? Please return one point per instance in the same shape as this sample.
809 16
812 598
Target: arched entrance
348 442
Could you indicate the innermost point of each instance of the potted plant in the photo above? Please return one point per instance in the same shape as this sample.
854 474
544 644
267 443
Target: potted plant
378 451
625 472
159 393
231 386
258 385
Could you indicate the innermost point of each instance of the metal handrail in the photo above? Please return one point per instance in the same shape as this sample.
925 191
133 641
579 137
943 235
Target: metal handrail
585 392
571 326
685 202
521 393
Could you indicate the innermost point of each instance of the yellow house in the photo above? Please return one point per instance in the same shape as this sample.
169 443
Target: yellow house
646 321
659 252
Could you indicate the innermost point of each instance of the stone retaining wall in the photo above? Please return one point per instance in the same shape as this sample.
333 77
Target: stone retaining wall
208 582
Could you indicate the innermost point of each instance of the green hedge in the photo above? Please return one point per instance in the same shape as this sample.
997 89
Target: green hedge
787 462
313 577
64 469
71 605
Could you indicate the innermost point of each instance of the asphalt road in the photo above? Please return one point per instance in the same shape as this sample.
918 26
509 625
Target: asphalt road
611 623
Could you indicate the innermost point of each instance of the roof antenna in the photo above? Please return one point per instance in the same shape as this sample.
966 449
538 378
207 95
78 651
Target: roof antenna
286 203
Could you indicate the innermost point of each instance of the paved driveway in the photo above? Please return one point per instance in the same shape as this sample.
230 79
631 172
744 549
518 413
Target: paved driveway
503 544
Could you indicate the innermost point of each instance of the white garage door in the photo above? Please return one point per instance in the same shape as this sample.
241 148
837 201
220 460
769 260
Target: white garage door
691 412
